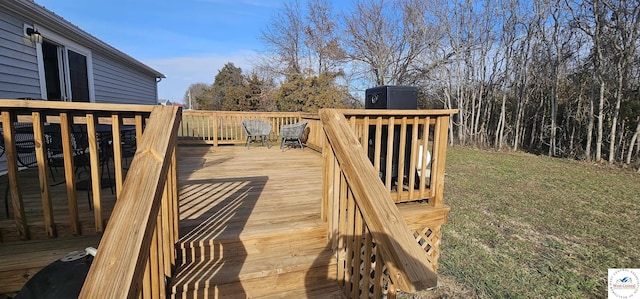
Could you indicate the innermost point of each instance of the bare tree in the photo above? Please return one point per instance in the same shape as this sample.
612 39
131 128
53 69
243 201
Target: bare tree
590 18
623 32
284 37
387 40
321 37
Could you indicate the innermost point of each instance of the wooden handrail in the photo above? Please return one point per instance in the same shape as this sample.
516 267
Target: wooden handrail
131 239
225 127
372 112
404 258
25 105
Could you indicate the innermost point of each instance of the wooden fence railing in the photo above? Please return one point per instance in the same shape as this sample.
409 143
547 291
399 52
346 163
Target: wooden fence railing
30 128
315 137
407 148
136 254
225 127
376 250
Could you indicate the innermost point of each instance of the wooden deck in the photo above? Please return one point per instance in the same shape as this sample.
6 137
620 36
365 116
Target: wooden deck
20 260
250 224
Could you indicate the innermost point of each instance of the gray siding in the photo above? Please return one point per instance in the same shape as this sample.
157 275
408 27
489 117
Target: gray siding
18 61
117 83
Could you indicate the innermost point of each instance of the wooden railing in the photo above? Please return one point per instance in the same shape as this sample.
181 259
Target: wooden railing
315 134
399 143
406 147
225 127
136 253
39 116
360 214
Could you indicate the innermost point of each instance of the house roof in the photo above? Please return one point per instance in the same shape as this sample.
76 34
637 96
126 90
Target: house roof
53 22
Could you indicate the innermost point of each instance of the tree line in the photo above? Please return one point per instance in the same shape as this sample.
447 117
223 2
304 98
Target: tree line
554 77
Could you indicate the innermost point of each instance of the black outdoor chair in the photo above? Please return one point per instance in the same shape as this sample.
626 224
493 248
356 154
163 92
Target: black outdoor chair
129 145
105 155
25 152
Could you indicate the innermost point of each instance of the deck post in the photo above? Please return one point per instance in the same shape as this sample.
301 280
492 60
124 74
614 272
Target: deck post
214 115
440 155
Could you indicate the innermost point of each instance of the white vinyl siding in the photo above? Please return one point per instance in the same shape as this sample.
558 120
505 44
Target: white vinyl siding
18 61
116 83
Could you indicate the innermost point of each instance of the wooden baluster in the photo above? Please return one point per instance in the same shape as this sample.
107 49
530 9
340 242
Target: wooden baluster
116 123
69 173
176 210
378 145
357 255
214 115
166 229
401 158
327 187
378 279
350 239
389 158
366 274
94 159
414 158
365 135
41 157
423 167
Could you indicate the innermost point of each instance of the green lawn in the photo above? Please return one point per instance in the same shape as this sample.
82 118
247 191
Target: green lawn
525 226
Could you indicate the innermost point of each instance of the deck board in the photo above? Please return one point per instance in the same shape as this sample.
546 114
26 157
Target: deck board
249 216
245 199
258 186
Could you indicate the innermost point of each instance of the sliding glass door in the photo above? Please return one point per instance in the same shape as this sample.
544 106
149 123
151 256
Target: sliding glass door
66 73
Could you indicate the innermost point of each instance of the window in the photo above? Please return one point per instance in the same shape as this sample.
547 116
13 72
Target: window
65 69
78 77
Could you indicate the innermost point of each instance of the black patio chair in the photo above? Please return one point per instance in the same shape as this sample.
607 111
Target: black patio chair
25 152
105 154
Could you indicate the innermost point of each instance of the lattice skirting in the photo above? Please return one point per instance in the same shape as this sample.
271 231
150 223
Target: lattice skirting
366 272
429 239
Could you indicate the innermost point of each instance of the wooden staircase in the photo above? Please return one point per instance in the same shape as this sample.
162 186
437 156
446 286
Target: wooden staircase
285 262
250 228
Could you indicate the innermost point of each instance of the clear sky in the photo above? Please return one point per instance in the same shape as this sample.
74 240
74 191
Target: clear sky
186 40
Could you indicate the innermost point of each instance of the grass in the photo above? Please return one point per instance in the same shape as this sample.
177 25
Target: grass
525 226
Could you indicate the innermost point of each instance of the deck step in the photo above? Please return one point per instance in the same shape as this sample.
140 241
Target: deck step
276 263
318 282
254 242
250 266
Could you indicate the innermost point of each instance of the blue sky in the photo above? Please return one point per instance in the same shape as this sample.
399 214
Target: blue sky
188 41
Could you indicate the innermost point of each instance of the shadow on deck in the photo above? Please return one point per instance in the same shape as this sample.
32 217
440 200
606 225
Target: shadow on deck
250 224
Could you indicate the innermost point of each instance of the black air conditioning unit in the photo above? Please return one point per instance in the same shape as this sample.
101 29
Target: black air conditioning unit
391 97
